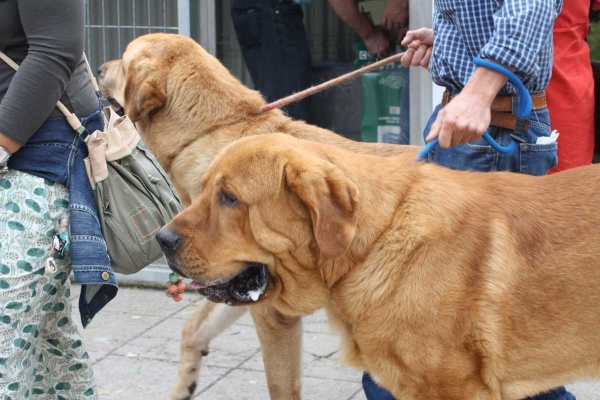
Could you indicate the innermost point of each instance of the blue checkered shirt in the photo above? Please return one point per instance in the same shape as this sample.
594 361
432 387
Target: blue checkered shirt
516 33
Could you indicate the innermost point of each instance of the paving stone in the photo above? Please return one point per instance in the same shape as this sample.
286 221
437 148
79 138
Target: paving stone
134 344
151 348
256 362
585 390
334 369
230 349
147 302
315 346
360 395
121 378
251 385
108 331
321 344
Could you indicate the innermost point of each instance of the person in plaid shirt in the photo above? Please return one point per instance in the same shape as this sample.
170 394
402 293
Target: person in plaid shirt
516 34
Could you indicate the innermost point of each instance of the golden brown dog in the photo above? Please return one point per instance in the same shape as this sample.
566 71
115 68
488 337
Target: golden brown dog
445 285
188 107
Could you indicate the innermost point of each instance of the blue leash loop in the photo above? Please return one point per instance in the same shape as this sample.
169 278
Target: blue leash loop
523 109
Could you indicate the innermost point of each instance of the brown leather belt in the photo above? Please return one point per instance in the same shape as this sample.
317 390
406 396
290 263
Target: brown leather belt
502 109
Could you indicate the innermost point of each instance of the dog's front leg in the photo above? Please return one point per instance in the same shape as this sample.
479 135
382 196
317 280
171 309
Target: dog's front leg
206 323
281 342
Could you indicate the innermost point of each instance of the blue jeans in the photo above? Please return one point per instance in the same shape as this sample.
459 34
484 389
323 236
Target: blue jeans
530 158
375 392
275 48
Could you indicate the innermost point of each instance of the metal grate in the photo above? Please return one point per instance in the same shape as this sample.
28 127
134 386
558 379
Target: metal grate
112 24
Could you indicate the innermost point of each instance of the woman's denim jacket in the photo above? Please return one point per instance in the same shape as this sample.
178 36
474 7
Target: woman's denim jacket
56 153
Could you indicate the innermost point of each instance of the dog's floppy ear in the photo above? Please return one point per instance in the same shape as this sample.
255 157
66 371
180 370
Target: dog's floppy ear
144 92
332 200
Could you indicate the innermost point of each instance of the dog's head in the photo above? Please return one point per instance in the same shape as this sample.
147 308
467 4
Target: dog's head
271 211
137 82
160 68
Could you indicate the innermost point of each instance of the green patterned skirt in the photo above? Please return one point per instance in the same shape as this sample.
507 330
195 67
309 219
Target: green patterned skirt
41 353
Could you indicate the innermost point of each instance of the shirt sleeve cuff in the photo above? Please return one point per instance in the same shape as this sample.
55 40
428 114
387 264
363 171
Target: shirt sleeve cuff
512 53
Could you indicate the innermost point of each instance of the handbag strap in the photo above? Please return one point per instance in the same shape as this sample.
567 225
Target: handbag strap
72 119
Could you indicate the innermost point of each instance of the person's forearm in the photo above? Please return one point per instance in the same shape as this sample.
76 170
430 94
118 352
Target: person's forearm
9 144
349 12
485 84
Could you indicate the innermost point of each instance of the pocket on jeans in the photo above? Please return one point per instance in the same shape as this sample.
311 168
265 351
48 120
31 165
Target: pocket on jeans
248 25
537 159
471 157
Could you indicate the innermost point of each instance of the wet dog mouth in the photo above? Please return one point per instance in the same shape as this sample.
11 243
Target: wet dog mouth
245 287
116 107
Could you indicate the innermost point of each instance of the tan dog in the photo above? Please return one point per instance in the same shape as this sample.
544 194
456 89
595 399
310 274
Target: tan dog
445 285
188 107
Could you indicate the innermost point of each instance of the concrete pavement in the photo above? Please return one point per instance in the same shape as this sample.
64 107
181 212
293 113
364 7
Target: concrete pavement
134 344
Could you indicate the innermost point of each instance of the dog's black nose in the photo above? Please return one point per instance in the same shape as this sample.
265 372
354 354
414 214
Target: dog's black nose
168 240
100 68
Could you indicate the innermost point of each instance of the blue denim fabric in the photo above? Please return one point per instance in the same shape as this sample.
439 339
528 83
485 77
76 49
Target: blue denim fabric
56 153
374 392
530 158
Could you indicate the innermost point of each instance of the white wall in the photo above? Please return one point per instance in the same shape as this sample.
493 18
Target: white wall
424 94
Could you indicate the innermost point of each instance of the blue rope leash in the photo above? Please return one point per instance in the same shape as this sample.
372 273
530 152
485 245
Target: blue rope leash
523 109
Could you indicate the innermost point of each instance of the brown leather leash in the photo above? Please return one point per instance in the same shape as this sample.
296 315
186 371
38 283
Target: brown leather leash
330 83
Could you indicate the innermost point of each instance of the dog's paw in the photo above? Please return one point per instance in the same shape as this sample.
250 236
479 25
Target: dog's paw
183 393
189 371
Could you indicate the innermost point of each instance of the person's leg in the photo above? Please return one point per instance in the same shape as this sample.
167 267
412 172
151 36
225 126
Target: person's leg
295 57
253 24
273 42
373 391
35 304
556 394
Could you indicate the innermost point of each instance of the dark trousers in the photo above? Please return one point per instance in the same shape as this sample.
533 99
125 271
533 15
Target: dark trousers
375 392
275 48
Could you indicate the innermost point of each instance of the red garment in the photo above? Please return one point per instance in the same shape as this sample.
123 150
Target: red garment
596 5
571 89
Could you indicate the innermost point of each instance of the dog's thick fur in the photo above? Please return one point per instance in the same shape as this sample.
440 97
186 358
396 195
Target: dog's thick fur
445 285
188 107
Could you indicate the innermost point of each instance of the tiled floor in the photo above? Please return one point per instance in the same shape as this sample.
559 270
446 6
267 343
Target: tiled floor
134 344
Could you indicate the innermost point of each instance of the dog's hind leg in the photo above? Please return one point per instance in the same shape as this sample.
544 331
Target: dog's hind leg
281 343
205 324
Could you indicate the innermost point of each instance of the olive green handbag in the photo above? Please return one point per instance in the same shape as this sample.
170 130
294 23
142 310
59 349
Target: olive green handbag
133 194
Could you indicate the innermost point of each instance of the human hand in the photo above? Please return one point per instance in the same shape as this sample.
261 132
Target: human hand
377 42
395 18
468 115
420 45
465 119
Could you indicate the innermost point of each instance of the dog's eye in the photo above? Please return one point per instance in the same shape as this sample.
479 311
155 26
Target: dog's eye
227 199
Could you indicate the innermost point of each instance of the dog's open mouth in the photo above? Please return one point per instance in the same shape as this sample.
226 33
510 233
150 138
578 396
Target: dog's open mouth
116 107
247 286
